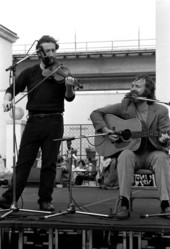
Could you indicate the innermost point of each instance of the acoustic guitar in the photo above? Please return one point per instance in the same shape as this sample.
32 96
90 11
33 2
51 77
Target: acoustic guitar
129 132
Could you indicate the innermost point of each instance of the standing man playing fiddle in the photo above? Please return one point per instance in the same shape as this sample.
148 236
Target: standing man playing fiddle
152 152
45 123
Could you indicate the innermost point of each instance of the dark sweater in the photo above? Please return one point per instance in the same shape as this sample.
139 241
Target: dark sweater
47 97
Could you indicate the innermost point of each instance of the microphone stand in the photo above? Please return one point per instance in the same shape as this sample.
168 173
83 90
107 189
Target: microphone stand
71 207
14 206
153 100
155 215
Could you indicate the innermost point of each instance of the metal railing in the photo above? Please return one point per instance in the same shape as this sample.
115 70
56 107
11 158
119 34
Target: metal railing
93 46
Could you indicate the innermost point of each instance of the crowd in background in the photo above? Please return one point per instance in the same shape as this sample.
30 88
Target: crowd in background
104 172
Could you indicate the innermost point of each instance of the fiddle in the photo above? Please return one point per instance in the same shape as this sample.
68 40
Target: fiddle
59 72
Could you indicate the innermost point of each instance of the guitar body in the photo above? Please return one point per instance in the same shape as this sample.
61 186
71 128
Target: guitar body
106 148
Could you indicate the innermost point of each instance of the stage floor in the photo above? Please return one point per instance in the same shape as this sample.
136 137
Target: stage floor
92 200
87 199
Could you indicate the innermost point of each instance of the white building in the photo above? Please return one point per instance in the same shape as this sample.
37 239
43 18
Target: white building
7 37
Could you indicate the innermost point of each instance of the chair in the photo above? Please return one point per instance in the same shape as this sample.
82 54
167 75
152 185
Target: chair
144 179
143 176
89 178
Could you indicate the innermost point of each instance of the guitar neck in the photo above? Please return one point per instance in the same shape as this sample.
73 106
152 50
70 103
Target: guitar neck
140 134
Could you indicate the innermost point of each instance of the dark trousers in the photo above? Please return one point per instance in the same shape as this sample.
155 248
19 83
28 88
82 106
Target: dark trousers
39 132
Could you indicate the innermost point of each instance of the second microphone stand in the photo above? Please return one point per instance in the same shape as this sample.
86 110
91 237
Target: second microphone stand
71 207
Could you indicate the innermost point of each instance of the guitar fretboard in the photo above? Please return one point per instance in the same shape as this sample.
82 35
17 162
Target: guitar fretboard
136 134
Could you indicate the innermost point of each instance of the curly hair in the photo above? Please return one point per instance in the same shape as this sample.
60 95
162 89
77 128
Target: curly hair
47 38
149 85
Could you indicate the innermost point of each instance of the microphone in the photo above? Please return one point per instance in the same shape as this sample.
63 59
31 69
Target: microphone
144 216
46 58
42 50
132 95
154 215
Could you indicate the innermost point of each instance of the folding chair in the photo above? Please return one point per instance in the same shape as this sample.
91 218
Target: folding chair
144 179
148 175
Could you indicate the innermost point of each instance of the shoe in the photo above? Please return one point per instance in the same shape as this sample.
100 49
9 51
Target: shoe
123 213
59 185
108 187
4 203
166 212
46 206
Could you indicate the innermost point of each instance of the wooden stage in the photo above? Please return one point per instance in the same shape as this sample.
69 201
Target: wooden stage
90 225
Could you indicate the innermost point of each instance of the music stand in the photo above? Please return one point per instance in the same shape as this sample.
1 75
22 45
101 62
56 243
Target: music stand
71 207
14 206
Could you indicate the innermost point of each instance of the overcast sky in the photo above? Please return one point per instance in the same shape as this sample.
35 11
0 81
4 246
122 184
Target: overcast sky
90 20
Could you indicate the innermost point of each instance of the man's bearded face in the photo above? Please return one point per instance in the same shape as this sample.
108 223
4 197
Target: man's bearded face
138 89
49 55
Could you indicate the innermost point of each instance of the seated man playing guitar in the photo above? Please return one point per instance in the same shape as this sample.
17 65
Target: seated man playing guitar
144 142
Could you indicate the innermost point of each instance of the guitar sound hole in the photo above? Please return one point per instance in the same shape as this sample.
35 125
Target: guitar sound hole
126 135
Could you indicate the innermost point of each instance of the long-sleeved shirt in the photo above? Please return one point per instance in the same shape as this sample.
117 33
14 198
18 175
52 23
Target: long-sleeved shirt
47 97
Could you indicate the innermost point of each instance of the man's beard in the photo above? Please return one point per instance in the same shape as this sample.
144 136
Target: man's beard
135 96
48 61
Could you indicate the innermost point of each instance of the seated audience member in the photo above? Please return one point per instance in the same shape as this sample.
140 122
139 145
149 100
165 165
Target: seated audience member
78 171
108 177
62 175
152 152
88 174
3 171
81 165
104 162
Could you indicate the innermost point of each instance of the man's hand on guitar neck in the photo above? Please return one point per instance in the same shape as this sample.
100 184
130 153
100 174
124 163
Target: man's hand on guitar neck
110 134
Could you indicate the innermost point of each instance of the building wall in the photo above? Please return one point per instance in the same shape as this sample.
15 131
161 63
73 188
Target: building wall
78 111
5 62
7 37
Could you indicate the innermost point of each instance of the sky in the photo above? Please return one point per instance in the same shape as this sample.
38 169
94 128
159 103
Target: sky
80 20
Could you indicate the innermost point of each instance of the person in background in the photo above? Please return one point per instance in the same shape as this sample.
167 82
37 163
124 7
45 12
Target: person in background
108 177
2 164
104 163
152 152
62 176
86 172
78 172
3 180
45 123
